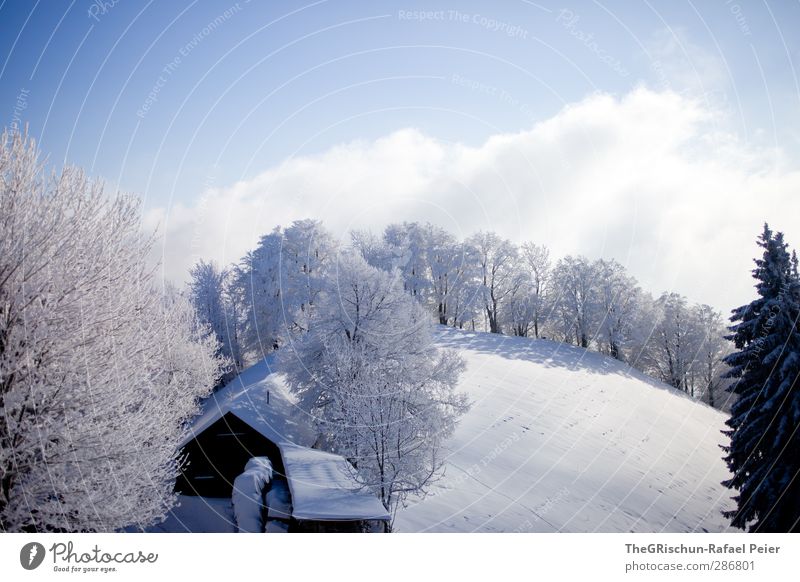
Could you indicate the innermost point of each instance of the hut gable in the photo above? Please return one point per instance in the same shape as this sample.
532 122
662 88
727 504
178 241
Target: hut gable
259 398
217 454
254 415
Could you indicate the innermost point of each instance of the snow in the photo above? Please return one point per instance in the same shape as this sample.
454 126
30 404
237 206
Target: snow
279 505
321 484
246 396
323 488
248 500
557 439
562 439
261 464
198 515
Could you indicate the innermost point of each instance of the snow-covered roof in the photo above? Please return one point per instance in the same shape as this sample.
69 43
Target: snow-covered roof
321 484
323 487
245 396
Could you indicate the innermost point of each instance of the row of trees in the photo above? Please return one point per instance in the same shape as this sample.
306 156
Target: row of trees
487 282
362 358
483 282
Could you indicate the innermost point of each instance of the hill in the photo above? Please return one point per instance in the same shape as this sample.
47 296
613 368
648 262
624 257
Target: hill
557 439
562 439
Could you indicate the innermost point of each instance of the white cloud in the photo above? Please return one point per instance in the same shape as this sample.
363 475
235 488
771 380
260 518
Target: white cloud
681 65
649 179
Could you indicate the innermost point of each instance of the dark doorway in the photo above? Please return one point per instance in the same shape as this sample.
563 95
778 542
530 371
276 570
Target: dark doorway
214 458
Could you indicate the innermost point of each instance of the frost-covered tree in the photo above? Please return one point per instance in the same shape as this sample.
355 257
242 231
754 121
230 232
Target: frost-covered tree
217 306
410 242
675 342
444 258
577 298
619 297
535 262
428 258
709 366
206 291
98 370
371 247
257 282
494 257
433 266
279 281
383 395
525 307
518 307
764 449
464 296
307 251
640 343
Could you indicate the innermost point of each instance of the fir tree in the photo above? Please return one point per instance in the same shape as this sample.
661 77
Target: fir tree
764 450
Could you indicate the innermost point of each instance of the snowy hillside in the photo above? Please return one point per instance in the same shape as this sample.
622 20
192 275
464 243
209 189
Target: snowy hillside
557 439
561 439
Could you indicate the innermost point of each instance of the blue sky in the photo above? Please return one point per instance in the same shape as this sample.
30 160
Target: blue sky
196 106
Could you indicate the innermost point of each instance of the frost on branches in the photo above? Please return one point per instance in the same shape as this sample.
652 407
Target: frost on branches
382 394
278 284
219 308
98 371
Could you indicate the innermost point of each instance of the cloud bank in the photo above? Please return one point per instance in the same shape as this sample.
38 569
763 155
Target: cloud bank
652 179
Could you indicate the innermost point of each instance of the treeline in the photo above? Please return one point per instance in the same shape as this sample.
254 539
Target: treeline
483 282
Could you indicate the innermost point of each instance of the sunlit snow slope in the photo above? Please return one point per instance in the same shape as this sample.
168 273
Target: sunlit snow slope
561 439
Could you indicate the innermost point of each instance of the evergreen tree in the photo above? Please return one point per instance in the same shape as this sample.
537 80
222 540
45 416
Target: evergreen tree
764 450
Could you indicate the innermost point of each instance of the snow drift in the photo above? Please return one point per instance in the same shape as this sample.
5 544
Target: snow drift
248 500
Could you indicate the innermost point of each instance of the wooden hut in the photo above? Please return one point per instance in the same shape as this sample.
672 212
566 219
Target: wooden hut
254 416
